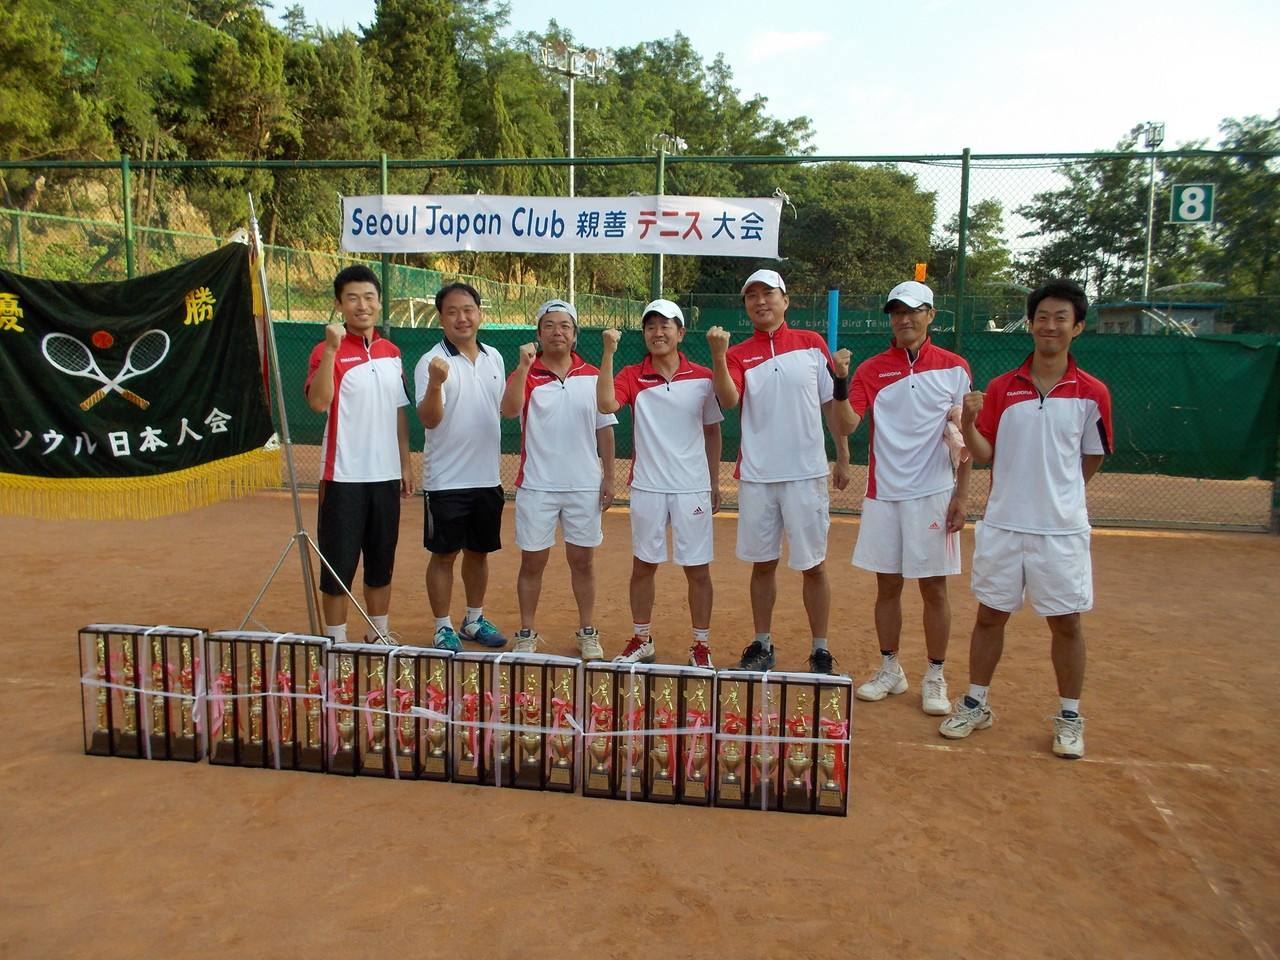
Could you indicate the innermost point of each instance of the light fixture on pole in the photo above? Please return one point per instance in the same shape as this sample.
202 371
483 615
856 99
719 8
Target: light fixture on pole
572 62
662 144
1152 137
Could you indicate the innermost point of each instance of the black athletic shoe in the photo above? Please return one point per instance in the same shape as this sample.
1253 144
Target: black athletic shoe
756 657
821 661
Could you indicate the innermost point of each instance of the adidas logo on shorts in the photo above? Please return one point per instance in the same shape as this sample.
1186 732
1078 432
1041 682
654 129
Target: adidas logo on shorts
697 511
934 526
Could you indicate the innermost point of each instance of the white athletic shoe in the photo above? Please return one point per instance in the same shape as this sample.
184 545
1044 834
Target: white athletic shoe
965 720
883 682
933 696
527 644
637 650
1068 737
589 644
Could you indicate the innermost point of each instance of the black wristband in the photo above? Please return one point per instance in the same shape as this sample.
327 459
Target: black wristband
840 390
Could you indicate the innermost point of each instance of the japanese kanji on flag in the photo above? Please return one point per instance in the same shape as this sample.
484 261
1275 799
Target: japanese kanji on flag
136 398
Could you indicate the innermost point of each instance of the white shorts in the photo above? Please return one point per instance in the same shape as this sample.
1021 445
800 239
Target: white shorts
689 515
797 507
1055 570
907 537
537 511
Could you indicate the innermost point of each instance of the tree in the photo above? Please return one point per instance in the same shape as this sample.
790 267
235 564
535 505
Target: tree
987 259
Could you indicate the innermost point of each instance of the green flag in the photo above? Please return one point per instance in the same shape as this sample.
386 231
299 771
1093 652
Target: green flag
135 398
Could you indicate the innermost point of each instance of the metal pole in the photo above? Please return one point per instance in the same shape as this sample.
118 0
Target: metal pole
17 227
572 277
962 243
1151 211
288 311
273 355
833 319
386 258
125 179
655 280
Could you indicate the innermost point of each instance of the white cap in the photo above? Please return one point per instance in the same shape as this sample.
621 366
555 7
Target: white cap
557 306
664 308
913 293
769 278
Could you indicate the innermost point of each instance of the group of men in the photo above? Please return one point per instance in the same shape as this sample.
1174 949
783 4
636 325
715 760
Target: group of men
1044 426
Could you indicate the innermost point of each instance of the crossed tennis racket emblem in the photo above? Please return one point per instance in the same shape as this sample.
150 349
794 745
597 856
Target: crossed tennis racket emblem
72 357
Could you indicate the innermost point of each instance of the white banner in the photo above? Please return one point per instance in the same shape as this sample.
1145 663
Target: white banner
693 226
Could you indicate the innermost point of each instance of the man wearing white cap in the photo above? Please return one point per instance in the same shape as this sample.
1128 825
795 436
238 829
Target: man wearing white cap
915 502
675 472
564 441
785 380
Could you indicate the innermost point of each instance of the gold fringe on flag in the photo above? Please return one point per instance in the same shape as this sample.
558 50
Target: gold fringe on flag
139 498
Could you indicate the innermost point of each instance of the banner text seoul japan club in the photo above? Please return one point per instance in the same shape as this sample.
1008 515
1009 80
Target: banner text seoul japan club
693 226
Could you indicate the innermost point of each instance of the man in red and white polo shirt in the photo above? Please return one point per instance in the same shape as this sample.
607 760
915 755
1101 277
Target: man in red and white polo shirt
915 504
785 380
355 378
675 472
564 442
1046 426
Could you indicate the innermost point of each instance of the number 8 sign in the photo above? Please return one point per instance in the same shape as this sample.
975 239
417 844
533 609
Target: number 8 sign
1191 203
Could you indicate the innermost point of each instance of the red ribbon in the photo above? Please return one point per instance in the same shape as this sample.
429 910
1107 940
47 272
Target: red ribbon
697 719
836 730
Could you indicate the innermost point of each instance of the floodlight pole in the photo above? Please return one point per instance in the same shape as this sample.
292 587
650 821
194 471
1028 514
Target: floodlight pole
572 62
1152 137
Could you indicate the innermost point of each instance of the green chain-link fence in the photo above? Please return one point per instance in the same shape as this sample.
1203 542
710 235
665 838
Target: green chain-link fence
1195 416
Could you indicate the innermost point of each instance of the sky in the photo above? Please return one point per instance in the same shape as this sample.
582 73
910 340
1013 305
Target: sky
891 77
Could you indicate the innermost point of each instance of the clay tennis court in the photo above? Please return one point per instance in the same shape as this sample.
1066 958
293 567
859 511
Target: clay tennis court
1162 842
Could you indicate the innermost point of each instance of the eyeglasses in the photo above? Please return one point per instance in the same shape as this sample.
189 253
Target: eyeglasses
903 313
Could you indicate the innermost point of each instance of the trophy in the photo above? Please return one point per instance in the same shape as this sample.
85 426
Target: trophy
799 760
437 730
601 720
100 741
254 753
503 717
284 705
833 726
185 745
160 673
311 755
406 738
468 768
764 757
662 753
631 747
733 723
562 743
529 701
695 744
373 753
343 695
128 745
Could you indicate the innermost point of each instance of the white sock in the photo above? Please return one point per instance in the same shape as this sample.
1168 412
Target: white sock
444 622
380 624
702 636
337 631
819 643
472 615
934 672
765 640
978 693
1072 705
641 629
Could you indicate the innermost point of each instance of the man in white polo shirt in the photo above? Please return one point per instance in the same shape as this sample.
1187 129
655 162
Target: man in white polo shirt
1046 426
355 378
675 472
915 505
564 444
785 380
459 386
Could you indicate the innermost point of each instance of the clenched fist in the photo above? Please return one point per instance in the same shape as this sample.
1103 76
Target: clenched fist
610 339
841 360
437 371
528 352
972 407
333 334
718 341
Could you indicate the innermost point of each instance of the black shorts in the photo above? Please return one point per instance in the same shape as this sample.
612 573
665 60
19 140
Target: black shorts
463 520
355 519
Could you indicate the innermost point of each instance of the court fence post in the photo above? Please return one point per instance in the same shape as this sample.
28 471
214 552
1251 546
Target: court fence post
127 187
